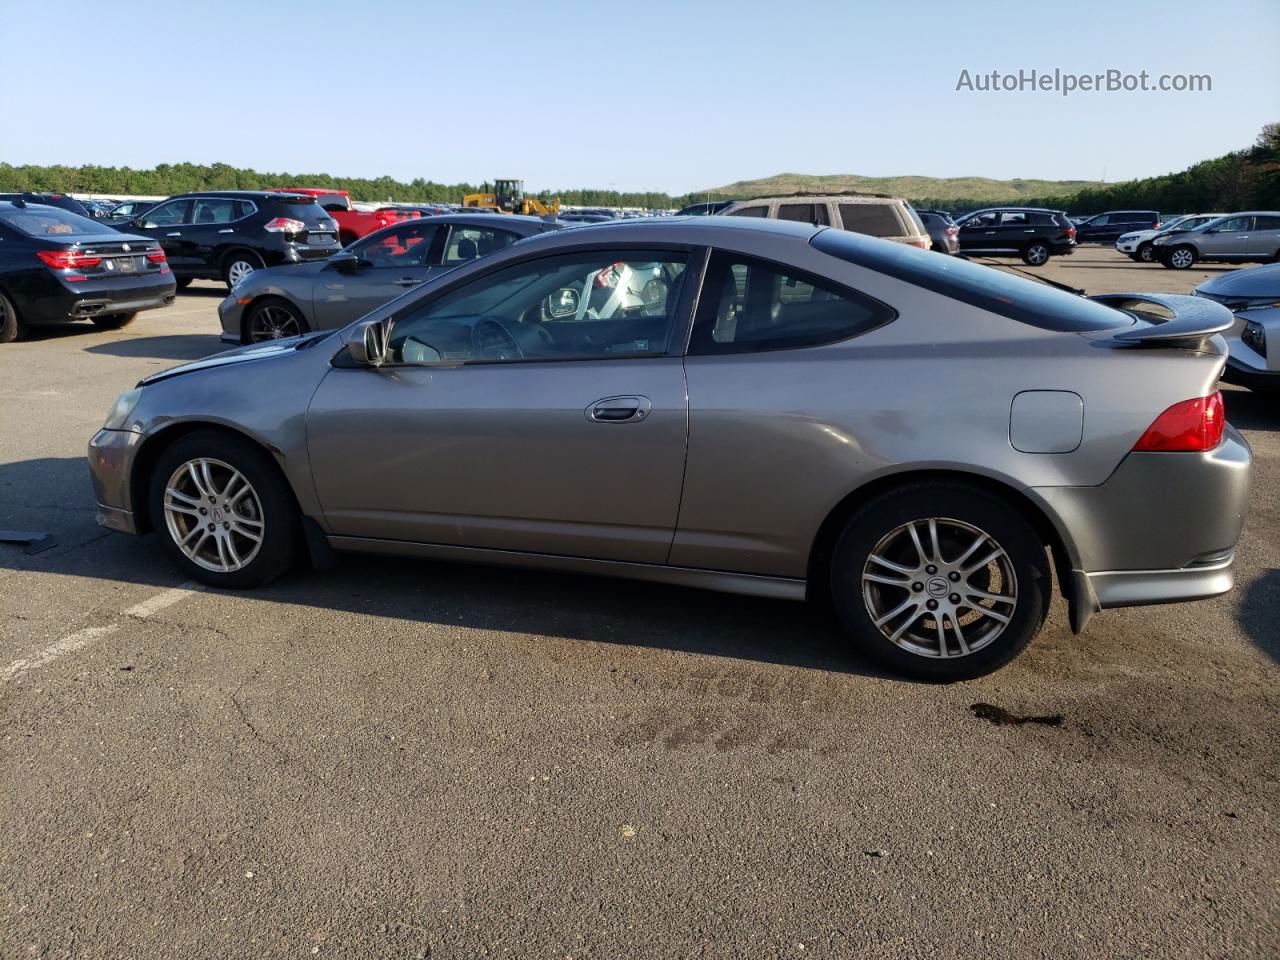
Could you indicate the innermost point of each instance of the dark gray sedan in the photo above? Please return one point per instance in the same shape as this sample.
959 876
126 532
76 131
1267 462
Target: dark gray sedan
297 299
756 406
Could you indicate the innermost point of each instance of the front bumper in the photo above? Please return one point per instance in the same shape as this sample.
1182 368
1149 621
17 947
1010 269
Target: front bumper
111 455
1127 246
231 316
1243 374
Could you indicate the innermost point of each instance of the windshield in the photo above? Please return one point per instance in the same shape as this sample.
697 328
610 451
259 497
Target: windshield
39 221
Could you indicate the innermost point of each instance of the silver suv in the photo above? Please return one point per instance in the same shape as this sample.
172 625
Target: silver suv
876 215
1235 238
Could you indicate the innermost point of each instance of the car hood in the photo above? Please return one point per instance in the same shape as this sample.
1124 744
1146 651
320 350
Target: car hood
1253 282
254 352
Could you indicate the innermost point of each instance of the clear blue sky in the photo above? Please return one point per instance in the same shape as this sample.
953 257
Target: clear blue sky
658 95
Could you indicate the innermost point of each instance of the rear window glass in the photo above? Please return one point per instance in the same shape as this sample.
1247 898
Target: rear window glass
50 222
1017 298
876 219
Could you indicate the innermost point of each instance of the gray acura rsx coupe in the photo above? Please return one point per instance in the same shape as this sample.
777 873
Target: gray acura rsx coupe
752 406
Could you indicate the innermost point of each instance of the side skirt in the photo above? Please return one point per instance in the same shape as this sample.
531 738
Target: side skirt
778 588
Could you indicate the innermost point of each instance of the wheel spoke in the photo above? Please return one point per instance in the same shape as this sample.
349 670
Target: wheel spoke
964 645
899 568
182 509
191 533
902 627
988 612
993 555
175 494
909 602
197 479
973 548
206 471
983 595
933 540
237 527
915 539
890 581
231 549
942 635
226 491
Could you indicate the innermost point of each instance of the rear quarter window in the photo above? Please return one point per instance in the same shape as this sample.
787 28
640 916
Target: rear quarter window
987 288
874 219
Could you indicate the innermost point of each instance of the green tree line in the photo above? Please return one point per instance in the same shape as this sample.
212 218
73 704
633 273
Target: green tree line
166 179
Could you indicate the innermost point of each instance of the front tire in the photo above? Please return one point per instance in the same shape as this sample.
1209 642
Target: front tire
1180 258
1036 254
273 319
238 265
11 328
940 581
113 321
223 511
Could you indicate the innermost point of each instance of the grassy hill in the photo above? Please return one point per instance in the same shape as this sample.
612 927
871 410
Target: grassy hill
933 189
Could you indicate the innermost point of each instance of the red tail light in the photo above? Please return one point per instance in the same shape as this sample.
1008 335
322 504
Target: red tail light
284 225
1190 426
156 256
1071 231
952 231
67 259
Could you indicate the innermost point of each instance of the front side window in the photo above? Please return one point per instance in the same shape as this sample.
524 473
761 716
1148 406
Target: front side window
602 304
170 214
470 243
405 246
756 211
1234 225
1101 221
982 220
749 305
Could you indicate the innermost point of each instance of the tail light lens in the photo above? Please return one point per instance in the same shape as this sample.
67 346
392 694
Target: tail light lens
156 256
284 225
1191 426
67 259
1071 232
952 231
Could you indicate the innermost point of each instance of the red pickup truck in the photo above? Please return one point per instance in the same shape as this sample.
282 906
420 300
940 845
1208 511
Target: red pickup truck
352 223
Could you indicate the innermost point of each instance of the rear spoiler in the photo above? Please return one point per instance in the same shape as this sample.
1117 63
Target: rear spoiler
1177 321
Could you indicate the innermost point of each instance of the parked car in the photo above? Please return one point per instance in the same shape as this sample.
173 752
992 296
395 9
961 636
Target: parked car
57 266
705 209
917 426
1107 227
1138 245
876 215
228 234
942 231
288 301
99 209
1032 233
131 209
353 223
575 217
1253 296
1253 236
61 200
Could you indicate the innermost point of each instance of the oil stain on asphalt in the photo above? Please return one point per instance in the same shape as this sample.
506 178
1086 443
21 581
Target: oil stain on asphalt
1003 718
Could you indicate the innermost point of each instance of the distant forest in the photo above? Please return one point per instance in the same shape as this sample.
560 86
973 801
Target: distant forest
1245 179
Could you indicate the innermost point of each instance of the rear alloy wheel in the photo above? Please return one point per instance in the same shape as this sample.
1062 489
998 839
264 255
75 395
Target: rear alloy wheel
11 327
238 266
113 321
223 511
1145 253
273 320
1035 254
1181 258
940 581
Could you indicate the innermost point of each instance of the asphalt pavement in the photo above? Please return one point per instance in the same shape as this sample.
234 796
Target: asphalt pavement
400 759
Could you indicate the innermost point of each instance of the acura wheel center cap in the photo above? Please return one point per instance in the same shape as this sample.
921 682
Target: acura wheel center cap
938 587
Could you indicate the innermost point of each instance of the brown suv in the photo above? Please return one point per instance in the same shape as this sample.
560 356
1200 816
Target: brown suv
877 215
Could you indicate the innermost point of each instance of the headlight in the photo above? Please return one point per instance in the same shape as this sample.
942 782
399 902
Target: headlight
119 415
1256 337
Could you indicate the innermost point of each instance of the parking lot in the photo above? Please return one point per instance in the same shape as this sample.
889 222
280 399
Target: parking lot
399 758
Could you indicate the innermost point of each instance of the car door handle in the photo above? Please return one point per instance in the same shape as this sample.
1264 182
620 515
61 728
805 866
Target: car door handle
228 230
406 282
174 234
619 410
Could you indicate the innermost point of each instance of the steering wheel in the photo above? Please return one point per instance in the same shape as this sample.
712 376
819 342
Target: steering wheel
491 340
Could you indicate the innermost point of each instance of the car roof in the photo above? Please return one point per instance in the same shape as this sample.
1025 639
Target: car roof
240 194
844 195
1013 210
687 230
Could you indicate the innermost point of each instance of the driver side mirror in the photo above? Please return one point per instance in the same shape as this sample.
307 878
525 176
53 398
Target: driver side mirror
345 262
563 303
367 345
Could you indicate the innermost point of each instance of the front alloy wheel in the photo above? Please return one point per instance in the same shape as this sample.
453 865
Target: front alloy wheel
274 321
214 515
1145 253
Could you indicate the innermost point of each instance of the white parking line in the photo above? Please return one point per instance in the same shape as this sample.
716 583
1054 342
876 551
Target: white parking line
69 644
166 598
82 638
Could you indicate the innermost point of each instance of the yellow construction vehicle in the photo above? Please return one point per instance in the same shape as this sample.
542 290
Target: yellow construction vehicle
508 197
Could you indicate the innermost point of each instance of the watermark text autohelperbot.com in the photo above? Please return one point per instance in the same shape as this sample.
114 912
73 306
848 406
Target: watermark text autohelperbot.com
1063 83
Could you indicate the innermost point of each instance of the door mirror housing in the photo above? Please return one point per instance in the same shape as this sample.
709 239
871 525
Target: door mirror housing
563 303
345 262
367 345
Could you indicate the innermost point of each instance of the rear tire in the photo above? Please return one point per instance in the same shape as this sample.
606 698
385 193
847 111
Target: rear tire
1181 258
113 321
259 504
11 328
238 265
983 614
1036 254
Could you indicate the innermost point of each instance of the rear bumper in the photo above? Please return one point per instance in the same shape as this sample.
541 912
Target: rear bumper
80 301
1162 528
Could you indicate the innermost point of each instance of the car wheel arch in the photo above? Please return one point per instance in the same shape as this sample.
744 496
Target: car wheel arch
271 293
1047 528
154 446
